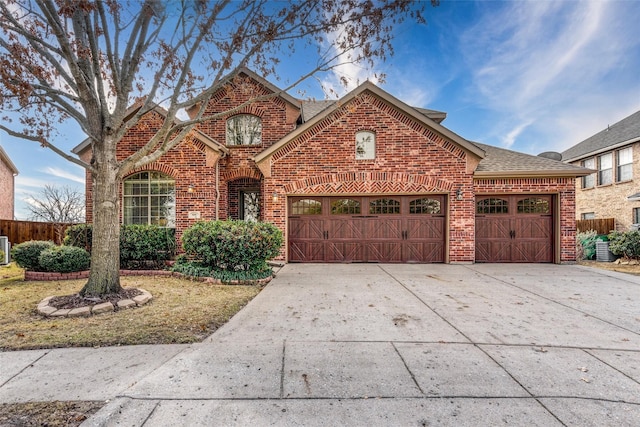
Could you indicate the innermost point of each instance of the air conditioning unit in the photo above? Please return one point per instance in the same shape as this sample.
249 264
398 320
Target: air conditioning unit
4 247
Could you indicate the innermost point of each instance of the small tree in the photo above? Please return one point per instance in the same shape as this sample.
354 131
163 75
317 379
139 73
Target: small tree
57 204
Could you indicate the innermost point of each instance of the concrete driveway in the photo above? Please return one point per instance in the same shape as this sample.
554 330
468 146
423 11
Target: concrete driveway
406 345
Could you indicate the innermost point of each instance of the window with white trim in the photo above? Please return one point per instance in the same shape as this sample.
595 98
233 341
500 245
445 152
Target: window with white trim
588 215
244 129
589 181
365 145
149 198
605 169
624 164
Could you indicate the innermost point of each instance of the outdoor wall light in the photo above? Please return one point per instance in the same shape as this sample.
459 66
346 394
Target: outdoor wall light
275 197
191 189
459 194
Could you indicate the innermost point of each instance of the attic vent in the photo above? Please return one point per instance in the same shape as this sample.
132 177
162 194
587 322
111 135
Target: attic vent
551 155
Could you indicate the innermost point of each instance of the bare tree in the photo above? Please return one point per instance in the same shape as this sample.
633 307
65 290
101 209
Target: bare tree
89 60
57 204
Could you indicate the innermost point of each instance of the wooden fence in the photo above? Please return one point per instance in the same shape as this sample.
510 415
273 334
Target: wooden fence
23 231
602 225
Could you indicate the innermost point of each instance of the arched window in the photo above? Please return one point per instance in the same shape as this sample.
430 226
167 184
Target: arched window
306 207
149 198
244 129
345 207
534 205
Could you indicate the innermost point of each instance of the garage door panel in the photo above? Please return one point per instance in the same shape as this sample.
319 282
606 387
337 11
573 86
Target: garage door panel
384 251
344 228
431 228
345 252
493 227
532 251
384 228
306 228
532 227
424 252
306 251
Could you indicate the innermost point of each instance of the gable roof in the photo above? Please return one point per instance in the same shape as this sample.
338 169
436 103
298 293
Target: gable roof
375 90
199 135
4 157
502 163
624 132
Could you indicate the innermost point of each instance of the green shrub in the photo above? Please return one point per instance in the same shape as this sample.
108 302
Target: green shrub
191 268
141 246
79 235
27 254
233 246
2 257
587 244
64 259
625 244
146 246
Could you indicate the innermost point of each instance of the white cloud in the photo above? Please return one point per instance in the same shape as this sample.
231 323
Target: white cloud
555 66
62 173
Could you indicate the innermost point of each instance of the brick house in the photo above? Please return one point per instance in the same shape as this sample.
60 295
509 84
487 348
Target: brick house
612 190
366 178
8 171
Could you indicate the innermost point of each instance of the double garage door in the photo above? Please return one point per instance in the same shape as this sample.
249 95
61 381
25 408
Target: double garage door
367 229
509 228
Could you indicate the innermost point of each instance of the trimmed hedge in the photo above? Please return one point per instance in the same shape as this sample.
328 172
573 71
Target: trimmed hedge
232 250
141 246
27 254
64 259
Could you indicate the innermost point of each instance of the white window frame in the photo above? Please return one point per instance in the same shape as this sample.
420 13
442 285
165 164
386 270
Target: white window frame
243 130
140 193
624 164
605 169
365 146
589 181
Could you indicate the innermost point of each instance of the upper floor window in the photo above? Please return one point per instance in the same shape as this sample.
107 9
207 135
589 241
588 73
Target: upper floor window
605 169
244 129
365 145
589 181
624 163
149 198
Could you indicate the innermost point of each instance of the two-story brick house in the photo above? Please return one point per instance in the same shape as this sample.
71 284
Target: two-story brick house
612 190
8 171
365 178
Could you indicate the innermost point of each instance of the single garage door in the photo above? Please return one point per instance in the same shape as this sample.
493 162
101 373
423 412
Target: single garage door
514 228
367 229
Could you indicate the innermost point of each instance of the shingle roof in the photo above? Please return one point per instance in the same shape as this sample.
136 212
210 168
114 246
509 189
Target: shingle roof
625 131
499 162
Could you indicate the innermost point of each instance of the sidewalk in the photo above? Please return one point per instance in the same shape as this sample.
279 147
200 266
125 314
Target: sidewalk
377 345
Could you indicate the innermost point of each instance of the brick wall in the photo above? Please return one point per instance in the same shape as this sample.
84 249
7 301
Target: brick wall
410 159
610 201
563 187
7 181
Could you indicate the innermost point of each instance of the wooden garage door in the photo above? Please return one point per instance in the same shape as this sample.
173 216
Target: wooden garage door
514 228
367 229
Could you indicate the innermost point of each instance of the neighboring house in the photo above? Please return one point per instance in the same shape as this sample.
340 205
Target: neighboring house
613 189
366 178
8 171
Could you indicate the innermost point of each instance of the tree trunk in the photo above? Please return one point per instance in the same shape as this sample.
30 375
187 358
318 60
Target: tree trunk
104 277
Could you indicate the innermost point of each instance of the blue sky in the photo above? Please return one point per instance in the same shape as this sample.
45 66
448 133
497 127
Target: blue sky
531 76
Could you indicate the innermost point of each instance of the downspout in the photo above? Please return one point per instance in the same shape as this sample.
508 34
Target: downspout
218 190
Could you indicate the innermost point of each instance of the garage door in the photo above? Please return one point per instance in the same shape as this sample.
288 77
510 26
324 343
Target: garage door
367 229
514 229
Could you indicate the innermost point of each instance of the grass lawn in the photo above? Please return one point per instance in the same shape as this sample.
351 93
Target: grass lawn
182 311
